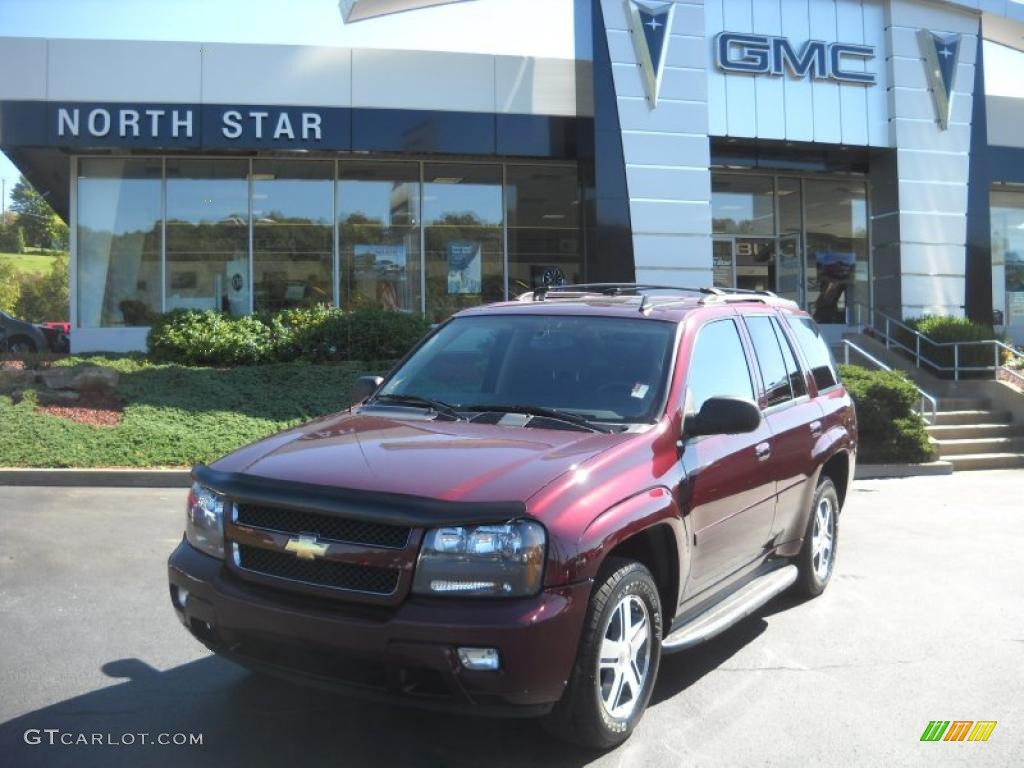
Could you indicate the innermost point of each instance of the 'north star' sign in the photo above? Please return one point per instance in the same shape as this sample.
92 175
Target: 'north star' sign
767 55
126 122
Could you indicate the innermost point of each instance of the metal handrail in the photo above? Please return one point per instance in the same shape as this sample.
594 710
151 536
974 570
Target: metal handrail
919 338
932 401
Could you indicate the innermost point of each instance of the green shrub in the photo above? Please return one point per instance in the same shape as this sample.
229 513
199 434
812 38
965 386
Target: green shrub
45 298
890 429
944 329
210 338
12 238
314 334
10 287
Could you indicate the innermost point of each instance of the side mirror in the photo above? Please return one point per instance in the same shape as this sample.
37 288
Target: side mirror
723 416
365 386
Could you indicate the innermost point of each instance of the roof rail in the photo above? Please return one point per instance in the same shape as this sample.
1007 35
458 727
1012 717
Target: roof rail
609 289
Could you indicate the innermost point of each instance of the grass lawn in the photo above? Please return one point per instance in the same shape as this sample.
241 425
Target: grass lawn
176 416
30 261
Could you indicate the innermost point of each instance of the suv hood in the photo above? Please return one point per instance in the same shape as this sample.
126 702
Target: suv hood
450 460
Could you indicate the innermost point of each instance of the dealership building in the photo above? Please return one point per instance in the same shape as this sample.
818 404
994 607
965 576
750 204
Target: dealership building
852 155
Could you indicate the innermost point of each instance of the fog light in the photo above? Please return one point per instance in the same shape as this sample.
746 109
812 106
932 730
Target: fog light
480 658
180 597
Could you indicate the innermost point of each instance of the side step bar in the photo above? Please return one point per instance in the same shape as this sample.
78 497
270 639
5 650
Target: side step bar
740 604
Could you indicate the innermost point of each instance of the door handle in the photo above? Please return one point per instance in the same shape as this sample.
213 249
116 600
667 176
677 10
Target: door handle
763 451
815 428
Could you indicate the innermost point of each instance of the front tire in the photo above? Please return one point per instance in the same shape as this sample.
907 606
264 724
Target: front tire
817 557
617 662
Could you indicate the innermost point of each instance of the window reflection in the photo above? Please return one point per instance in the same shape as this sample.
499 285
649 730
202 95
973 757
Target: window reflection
1007 221
292 230
543 227
208 235
837 247
378 233
742 205
462 219
118 242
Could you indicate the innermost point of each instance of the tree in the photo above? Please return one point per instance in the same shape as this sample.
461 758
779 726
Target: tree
42 227
12 239
10 287
45 298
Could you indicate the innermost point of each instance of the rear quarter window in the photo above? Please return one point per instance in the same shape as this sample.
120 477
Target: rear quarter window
816 351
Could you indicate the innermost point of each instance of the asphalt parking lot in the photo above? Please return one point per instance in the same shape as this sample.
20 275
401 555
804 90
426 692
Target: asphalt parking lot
924 620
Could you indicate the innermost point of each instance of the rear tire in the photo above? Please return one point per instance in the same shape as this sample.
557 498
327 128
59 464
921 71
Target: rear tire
817 557
617 662
21 345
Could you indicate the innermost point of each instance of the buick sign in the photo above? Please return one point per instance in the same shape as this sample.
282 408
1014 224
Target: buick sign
774 56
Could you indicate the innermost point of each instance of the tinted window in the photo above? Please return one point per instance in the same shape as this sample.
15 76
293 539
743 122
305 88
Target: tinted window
815 350
603 368
718 365
796 376
774 375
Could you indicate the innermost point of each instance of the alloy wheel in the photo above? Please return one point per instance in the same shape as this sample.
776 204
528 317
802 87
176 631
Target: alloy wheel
823 538
625 657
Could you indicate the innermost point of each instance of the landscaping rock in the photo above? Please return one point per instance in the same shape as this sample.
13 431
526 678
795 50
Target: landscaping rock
91 378
57 378
95 379
13 378
57 397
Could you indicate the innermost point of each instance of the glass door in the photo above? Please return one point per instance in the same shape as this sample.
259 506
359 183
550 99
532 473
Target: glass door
789 272
724 262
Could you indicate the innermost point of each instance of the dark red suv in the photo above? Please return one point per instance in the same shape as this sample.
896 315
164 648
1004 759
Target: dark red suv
542 498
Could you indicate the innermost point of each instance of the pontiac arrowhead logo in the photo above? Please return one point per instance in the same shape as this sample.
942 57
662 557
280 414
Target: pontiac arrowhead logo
941 53
650 25
306 547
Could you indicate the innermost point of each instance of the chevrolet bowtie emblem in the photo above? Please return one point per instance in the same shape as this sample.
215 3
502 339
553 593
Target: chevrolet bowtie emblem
306 547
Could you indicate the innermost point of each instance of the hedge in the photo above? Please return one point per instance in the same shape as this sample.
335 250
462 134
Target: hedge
316 334
944 329
890 429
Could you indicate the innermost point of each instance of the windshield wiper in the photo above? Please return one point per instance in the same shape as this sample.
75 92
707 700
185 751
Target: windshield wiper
438 406
539 410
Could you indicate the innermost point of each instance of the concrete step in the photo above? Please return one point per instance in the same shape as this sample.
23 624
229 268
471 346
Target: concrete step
950 448
986 461
974 431
965 404
949 418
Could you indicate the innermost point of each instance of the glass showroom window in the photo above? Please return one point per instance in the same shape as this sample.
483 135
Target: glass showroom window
292 232
208 235
1007 212
543 227
118 242
379 236
742 205
836 222
463 230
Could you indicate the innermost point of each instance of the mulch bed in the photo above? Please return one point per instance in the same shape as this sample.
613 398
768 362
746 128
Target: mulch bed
94 409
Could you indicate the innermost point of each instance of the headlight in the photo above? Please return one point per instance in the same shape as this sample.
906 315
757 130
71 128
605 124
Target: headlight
482 560
204 524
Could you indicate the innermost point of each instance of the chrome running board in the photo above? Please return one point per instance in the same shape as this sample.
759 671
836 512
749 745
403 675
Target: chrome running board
722 615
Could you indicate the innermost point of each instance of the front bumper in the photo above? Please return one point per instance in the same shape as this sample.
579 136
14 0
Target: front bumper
407 653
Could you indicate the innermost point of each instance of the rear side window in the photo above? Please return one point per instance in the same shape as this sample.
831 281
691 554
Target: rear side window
775 375
718 365
796 376
815 350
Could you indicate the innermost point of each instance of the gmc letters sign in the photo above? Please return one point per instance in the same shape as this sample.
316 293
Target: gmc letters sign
766 55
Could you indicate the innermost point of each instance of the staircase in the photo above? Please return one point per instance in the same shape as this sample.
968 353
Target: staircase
970 434
977 424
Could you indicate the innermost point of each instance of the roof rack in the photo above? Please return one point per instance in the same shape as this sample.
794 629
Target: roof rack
608 289
648 302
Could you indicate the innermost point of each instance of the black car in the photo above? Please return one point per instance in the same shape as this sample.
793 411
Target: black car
18 337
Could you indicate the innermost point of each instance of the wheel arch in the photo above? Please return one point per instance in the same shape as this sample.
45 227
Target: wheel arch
645 528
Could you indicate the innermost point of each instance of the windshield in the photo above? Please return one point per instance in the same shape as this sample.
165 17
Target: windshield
606 369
